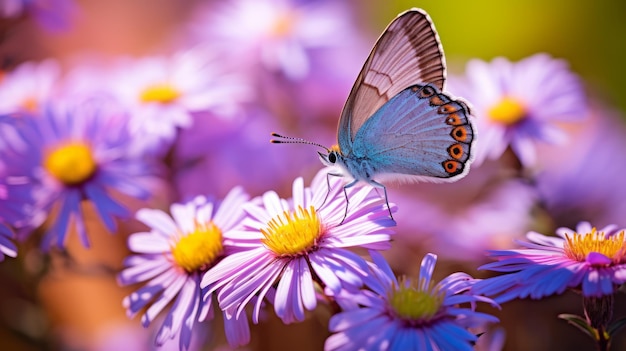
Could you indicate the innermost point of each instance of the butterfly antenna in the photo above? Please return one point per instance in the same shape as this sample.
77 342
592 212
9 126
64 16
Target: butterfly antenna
291 140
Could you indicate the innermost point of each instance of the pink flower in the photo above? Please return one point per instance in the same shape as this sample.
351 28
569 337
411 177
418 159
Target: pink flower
292 241
171 259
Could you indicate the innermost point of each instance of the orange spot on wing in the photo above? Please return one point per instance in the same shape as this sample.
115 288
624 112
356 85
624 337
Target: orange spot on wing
448 108
456 151
436 101
454 119
460 134
452 167
427 91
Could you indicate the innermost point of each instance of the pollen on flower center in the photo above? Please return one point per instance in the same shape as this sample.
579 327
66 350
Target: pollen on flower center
71 163
508 111
579 246
415 303
163 93
198 249
292 233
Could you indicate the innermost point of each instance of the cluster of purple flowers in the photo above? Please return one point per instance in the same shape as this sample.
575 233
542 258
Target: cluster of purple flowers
103 137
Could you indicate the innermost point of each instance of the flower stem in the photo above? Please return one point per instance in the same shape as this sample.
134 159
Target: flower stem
599 311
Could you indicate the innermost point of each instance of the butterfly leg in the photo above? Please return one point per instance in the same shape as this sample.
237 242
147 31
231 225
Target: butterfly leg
345 193
378 185
328 184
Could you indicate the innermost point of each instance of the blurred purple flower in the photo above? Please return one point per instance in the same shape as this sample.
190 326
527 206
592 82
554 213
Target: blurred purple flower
314 99
133 337
302 56
21 196
410 315
29 86
53 15
461 220
288 242
15 200
586 167
163 93
491 340
74 160
232 150
276 34
172 258
7 246
517 104
587 259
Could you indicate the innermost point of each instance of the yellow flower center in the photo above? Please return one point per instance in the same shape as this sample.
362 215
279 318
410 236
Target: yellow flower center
199 249
30 104
414 303
71 163
284 24
579 246
163 93
508 111
293 233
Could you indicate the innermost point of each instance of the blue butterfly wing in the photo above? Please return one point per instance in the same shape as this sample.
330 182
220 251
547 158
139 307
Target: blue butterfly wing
407 53
420 134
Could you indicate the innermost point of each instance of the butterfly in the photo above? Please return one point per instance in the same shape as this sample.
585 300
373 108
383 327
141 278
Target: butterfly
398 123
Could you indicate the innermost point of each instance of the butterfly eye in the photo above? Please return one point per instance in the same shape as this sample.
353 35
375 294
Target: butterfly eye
332 157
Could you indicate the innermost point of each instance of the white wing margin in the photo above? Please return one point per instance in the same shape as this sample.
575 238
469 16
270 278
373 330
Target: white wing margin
407 53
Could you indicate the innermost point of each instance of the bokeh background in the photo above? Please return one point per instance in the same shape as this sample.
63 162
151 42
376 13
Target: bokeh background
71 301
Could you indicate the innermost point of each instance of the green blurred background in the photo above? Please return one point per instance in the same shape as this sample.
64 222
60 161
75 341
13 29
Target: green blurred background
590 35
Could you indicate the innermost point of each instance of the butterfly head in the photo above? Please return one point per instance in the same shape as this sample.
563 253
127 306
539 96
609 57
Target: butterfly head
334 156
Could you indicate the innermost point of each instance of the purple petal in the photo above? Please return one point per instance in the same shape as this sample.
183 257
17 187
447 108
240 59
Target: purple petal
597 259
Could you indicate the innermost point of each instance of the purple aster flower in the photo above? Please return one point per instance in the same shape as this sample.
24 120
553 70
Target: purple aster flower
274 34
469 216
29 86
16 198
404 314
82 153
585 167
172 258
518 104
7 246
163 93
302 56
17 189
586 259
21 195
289 242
